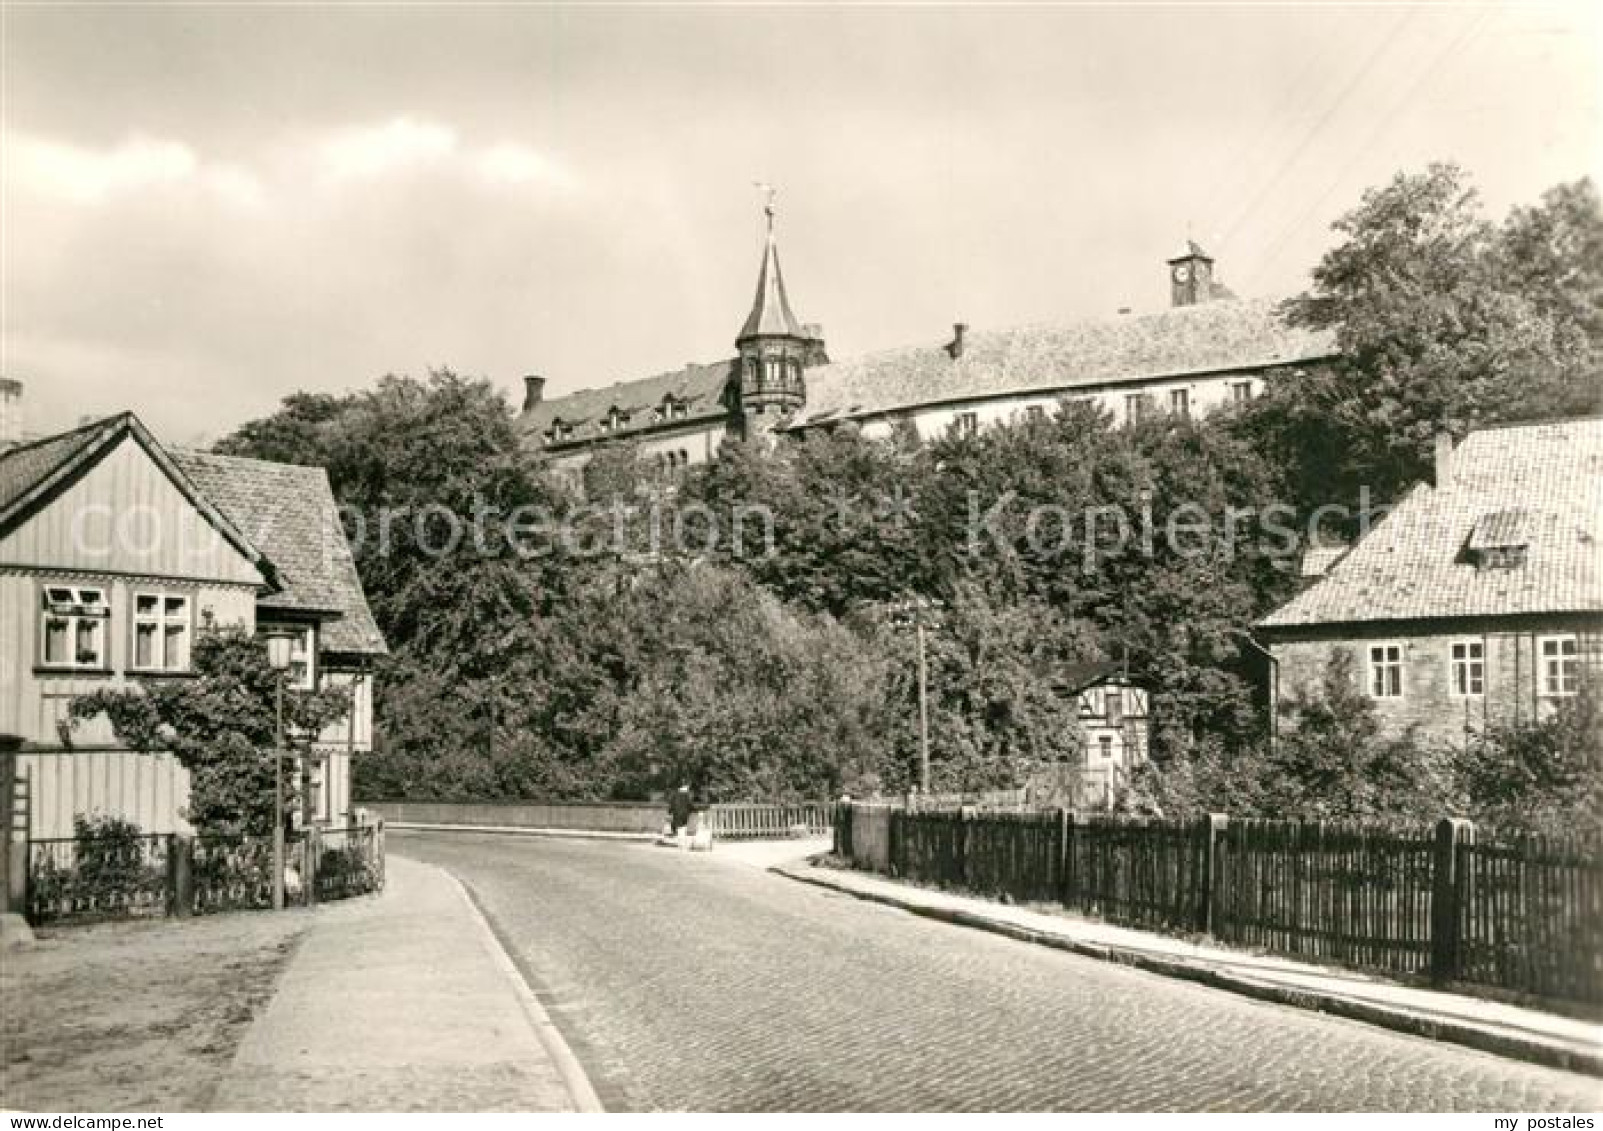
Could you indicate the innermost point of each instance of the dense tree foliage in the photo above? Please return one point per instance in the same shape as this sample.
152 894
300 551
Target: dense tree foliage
1445 322
612 654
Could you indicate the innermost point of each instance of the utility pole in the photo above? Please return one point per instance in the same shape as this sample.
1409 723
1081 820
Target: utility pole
923 704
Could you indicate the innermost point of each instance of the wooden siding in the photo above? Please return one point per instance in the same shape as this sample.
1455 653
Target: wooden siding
33 703
356 730
151 790
125 516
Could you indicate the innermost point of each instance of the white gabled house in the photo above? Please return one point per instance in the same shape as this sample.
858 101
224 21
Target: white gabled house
114 551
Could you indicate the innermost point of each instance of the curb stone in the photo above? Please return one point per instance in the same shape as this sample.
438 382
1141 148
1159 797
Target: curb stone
567 1065
1528 1049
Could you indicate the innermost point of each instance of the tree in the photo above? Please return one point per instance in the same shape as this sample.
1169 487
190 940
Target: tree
1443 323
220 726
1544 775
299 432
722 687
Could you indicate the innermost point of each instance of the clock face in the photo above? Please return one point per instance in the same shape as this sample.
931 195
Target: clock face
1182 272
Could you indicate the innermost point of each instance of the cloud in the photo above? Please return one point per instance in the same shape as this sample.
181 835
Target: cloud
407 145
513 164
81 175
372 151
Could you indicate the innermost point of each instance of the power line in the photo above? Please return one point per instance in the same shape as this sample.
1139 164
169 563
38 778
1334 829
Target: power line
1385 123
1368 65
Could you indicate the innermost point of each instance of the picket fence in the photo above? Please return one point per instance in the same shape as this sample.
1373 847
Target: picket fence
1444 901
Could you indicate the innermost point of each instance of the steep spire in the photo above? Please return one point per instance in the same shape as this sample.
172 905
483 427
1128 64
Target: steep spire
770 311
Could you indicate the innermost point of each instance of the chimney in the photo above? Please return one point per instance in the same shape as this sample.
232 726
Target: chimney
954 348
10 413
1444 459
533 391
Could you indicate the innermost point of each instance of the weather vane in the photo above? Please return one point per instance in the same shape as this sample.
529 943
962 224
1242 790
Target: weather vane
770 192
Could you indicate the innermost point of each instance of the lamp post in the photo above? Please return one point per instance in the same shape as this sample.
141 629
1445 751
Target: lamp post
280 643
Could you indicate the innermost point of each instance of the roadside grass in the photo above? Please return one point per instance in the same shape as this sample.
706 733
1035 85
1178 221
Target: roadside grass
135 1016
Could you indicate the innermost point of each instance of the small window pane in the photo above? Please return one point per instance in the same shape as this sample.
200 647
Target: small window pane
88 646
56 641
176 606
145 646
177 648
145 605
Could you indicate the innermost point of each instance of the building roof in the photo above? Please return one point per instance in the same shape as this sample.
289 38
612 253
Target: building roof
24 467
33 473
1072 678
770 310
1417 563
289 512
1210 337
699 388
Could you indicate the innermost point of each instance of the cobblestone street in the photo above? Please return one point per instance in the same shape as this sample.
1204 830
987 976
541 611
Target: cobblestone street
688 982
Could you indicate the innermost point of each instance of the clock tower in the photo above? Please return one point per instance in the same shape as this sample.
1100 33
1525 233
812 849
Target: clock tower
1191 277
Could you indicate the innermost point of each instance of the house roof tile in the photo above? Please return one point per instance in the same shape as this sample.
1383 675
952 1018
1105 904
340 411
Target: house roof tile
1414 564
700 388
289 512
1222 336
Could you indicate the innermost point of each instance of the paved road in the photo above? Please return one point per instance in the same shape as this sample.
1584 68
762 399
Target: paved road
684 982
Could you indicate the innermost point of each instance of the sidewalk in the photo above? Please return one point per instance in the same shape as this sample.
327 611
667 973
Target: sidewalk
403 1001
1508 1030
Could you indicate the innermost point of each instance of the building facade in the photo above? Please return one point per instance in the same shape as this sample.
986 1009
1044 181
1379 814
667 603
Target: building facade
114 553
1207 350
1478 600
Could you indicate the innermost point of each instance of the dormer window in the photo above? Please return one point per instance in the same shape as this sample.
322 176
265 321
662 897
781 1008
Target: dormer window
560 431
1500 539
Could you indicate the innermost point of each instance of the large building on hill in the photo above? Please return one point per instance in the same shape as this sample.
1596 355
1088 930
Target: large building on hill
1478 600
1206 350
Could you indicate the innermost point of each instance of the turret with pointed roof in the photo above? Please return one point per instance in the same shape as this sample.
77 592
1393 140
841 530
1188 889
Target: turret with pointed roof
775 348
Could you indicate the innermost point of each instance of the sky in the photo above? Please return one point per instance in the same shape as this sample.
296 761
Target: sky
205 207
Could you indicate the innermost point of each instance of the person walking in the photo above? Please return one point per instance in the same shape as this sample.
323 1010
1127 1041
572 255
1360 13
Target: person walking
679 809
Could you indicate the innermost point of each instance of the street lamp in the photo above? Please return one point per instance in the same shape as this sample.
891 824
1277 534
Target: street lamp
280 646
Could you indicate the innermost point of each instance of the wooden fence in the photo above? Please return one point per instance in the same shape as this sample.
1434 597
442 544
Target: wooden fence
92 879
1522 914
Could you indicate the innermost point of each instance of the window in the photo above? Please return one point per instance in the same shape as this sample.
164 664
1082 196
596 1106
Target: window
1105 745
968 424
162 627
1469 668
1561 665
1035 412
302 672
1386 671
74 620
315 789
1180 402
1240 392
1113 699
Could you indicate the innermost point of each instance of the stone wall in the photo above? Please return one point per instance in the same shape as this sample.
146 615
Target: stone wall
1512 667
